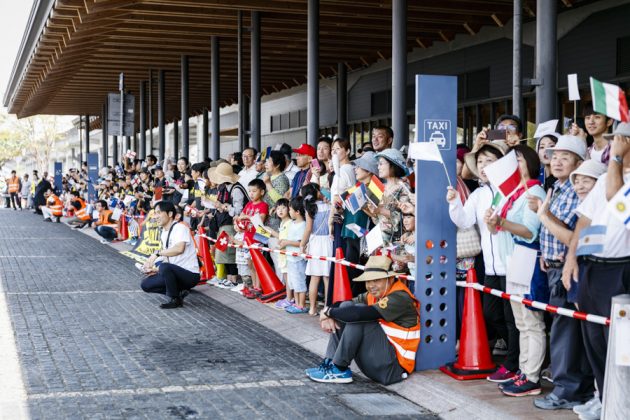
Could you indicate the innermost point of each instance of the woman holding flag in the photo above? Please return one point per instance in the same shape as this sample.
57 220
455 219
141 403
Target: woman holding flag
497 312
516 228
386 211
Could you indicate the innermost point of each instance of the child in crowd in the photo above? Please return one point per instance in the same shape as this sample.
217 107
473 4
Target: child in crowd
317 238
282 212
404 255
241 260
296 266
256 206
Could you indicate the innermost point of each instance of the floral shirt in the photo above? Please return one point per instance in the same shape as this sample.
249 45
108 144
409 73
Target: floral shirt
391 226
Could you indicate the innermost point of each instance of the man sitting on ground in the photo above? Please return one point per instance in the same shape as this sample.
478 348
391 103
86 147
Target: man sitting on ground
106 227
53 207
178 271
379 329
81 217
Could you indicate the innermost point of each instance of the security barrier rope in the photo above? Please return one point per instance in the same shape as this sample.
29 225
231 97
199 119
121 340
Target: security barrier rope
507 296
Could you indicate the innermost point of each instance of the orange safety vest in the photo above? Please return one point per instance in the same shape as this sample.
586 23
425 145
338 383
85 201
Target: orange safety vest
14 184
54 203
81 213
103 219
404 340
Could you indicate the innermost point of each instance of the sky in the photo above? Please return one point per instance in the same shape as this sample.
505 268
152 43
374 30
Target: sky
13 18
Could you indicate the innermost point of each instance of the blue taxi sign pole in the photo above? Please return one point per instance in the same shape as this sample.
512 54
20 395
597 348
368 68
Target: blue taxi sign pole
436 121
58 177
92 162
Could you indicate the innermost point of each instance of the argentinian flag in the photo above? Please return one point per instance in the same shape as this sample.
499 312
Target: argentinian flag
619 205
591 240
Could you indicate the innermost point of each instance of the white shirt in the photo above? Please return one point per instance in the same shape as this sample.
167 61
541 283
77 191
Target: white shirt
595 207
290 171
247 175
472 213
343 180
188 259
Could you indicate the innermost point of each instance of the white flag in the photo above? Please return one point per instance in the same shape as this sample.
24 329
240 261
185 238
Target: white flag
574 92
547 127
374 239
426 150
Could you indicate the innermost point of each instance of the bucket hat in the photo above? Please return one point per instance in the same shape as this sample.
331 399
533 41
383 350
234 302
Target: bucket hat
590 168
376 268
569 143
222 173
471 158
395 157
367 162
622 129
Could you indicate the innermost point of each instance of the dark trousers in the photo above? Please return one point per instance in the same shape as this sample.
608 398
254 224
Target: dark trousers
366 344
499 317
352 253
598 284
15 200
572 374
106 232
170 280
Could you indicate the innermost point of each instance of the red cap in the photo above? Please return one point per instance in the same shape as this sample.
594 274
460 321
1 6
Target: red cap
306 149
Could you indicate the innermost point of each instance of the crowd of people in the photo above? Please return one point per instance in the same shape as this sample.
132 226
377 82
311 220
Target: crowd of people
295 200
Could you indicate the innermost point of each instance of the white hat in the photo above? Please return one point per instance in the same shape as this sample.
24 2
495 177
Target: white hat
590 168
570 144
622 129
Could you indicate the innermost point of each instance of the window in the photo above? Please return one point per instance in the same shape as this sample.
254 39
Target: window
288 120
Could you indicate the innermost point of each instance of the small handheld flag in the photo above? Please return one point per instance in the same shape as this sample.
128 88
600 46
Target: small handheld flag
375 190
355 198
222 241
358 230
609 100
262 235
428 151
504 174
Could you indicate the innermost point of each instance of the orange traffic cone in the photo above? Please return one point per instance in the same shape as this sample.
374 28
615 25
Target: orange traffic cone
474 360
140 223
341 290
207 271
271 286
124 229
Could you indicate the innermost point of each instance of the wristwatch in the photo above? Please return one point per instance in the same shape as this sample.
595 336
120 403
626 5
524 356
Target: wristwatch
617 158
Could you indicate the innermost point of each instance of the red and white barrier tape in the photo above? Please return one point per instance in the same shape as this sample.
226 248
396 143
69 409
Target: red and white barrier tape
304 256
538 305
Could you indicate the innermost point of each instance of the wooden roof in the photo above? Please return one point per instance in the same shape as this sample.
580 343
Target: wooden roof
85 44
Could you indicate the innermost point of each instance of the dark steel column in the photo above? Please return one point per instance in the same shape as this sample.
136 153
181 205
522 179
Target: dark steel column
215 144
105 138
239 77
478 122
161 116
312 74
399 73
546 56
255 82
87 135
142 150
176 138
127 145
342 100
184 96
114 150
204 135
517 62
150 112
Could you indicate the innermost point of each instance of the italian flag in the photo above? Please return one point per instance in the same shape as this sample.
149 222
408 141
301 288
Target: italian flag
609 100
504 174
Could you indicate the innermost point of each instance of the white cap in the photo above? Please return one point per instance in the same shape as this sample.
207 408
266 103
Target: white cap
591 168
570 144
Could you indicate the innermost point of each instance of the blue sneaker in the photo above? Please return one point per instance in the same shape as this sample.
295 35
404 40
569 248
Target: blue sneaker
522 387
325 363
332 374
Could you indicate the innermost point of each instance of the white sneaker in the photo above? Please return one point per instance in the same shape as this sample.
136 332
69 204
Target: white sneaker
226 284
139 266
104 241
238 288
592 408
214 281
